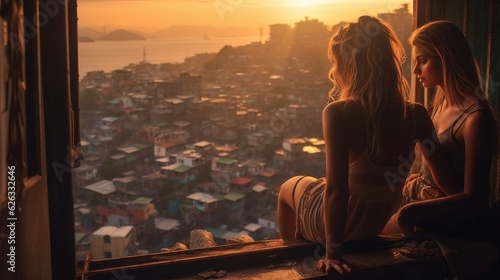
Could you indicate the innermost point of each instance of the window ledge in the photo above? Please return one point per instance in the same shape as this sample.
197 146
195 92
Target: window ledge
273 259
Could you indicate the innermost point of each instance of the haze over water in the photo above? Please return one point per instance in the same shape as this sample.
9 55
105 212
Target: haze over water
112 55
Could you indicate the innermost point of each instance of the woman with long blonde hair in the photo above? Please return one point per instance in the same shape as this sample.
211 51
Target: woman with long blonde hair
466 126
370 133
467 130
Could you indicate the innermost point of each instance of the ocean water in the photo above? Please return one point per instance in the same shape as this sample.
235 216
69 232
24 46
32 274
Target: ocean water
112 55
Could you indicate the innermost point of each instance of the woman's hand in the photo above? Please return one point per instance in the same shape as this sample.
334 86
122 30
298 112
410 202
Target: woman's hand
328 264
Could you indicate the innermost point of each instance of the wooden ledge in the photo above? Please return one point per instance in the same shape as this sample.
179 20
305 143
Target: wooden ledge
291 259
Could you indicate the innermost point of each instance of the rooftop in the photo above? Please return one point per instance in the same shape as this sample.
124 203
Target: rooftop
83 167
166 224
259 188
126 179
103 187
202 144
267 174
253 227
202 197
128 150
240 181
122 231
311 150
104 230
182 168
117 156
226 160
141 200
234 196
166 144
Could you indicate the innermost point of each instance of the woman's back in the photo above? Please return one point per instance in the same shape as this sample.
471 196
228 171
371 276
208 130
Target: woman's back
397 135
375 184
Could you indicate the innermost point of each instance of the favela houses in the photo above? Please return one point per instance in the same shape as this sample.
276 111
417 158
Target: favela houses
205 143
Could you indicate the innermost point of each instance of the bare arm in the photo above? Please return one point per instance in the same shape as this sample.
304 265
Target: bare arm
478 137
336 192
478 133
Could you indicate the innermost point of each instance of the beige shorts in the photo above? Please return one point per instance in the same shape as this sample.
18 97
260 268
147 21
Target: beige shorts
310 218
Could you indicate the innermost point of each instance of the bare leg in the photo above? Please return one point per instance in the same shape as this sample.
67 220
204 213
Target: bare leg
392 226
286 211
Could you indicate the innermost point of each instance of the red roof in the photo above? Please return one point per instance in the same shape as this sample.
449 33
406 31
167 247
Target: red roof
267 174
166 144
240 181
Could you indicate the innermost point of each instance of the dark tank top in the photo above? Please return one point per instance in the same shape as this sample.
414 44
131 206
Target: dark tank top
465 226
454 152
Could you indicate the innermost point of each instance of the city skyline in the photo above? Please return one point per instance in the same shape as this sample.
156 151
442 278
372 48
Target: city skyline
155 15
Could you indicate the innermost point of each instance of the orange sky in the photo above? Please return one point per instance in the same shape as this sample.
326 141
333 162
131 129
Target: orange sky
154 15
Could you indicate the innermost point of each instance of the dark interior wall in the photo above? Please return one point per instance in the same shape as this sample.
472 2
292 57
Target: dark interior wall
58 116
28 244
40 137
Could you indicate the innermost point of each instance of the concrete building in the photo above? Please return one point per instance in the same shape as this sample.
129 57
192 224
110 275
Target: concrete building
202 209
113 242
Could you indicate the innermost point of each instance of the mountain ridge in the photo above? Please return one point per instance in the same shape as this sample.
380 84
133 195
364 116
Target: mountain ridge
178 31
122 35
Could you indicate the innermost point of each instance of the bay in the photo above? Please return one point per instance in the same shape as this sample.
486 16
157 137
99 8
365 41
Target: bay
112 55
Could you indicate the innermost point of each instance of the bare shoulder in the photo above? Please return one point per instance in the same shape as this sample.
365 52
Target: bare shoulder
480 124
344 108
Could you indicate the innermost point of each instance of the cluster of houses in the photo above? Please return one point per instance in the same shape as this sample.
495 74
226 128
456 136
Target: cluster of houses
204 144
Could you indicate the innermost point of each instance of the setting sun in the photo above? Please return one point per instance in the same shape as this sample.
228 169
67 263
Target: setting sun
306 2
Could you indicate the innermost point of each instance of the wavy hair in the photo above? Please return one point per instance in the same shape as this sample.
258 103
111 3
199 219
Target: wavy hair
367 59
461 75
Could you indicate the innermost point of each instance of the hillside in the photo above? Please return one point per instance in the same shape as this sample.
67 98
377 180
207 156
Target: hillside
122 35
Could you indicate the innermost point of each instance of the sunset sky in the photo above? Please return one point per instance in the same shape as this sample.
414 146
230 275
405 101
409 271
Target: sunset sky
154 15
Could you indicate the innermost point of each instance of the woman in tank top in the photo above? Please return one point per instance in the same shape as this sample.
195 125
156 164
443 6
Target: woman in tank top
370 133
458 218
467 129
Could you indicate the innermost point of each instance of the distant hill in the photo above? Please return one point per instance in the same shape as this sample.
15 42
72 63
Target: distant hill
184 31
87 32
122 35
145 35
204 30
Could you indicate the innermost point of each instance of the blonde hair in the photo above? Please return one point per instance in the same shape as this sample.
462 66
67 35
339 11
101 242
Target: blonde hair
367 59
461 75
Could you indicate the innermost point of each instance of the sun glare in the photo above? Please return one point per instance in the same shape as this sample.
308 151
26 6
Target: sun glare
306 3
